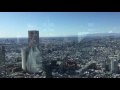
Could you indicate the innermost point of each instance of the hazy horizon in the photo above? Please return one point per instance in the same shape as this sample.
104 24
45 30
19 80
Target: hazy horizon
58 24
84 35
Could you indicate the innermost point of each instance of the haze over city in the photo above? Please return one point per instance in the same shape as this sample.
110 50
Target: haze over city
15 24
59 45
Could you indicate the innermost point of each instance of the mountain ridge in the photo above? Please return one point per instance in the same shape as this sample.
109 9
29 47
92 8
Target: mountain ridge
96 34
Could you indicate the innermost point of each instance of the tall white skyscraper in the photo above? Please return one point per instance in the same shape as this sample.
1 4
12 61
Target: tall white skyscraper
31 58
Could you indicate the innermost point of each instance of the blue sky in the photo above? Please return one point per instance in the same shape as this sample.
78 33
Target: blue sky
17 24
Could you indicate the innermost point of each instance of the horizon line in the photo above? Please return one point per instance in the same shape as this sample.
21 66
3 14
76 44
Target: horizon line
64 35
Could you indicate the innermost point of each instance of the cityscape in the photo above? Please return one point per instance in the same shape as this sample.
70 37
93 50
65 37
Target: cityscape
89 55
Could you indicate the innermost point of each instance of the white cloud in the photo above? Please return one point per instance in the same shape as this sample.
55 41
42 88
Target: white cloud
18 35
95 32
51 34
83 33
49 30
109 31
90 29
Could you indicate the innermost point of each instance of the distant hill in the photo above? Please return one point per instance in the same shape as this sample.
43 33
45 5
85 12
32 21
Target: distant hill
97 35
84 35
104 34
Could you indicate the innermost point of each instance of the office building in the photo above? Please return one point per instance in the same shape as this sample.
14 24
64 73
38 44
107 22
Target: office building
31 57
33 38
107 67
114 66
24 57
2 61
2 54
118 68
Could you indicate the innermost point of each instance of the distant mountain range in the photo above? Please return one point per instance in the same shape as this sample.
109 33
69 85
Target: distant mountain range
104 34
84 35
97 35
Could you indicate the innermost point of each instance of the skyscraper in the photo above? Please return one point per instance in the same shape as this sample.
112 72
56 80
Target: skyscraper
2 60
2 54
31 58
114 66
33 38
24 57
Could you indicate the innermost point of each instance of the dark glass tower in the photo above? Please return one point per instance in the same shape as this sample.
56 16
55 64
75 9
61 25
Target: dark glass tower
2 61
33 38
2 54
